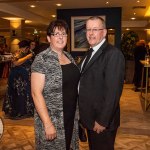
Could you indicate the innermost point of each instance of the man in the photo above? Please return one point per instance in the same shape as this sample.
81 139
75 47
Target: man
139 54
100 88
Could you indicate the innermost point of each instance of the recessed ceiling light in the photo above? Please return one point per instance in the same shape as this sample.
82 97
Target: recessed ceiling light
107 3
133 18
28 21
138 1
53 16
58 5
32 6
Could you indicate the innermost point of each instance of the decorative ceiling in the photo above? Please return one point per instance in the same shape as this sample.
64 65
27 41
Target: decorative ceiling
41 14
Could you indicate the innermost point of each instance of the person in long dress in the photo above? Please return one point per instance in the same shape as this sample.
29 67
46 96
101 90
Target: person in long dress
18 102
54 82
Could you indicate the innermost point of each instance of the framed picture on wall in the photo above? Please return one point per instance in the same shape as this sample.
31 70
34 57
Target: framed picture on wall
78 33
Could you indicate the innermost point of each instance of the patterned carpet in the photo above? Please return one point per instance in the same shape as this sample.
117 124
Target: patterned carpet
133 134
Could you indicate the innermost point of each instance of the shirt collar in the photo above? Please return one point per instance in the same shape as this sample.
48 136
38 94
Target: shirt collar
95 48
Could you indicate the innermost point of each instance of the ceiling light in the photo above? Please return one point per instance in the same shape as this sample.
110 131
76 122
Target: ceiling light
58 5
138 1
28 21
107 3
133 18
53 16
32 6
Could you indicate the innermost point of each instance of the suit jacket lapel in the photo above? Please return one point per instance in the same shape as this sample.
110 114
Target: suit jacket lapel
80 64
96 55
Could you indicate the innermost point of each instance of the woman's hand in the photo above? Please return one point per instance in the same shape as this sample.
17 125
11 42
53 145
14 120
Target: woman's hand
50 132
98 128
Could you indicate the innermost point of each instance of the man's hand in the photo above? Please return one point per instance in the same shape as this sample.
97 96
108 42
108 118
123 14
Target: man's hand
98 128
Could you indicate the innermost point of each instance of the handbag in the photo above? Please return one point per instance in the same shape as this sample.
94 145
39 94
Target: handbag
82 133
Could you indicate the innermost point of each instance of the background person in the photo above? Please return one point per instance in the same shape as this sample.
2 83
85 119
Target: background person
18 101
33 45
139 54
1 58
54 82
100 88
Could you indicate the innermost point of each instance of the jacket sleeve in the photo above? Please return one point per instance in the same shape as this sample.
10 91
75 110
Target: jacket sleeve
113 85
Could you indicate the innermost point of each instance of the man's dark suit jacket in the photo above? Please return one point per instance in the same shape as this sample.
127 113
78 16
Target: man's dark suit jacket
101 85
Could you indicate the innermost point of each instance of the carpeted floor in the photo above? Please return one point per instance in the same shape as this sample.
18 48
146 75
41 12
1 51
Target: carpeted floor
133 134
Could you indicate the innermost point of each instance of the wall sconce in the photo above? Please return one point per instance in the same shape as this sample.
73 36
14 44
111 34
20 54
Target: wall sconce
14 33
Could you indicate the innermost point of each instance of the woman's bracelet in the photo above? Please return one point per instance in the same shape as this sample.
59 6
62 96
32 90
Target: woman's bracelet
48 126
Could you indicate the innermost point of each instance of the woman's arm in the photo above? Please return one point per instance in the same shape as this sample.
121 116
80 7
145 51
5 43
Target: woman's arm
37 85
22 60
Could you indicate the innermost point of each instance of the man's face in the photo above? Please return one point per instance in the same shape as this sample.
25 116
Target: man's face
95 32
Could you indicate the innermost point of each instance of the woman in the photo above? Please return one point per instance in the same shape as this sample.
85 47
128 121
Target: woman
18 102
54 82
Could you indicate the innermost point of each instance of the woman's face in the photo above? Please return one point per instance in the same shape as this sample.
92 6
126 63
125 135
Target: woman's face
58 39
25 50
32 45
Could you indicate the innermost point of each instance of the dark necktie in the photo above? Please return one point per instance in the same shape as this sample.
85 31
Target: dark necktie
87 58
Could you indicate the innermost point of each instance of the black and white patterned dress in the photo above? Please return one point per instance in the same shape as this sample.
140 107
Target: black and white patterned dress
47 63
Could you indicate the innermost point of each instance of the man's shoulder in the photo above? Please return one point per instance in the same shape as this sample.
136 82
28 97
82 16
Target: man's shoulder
111 48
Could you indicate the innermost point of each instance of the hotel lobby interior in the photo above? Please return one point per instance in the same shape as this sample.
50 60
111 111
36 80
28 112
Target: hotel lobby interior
33 16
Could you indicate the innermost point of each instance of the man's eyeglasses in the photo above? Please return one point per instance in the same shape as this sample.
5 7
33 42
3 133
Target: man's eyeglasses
58 34
93 30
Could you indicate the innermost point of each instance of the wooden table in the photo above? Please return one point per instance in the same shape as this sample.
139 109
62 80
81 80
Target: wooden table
146 65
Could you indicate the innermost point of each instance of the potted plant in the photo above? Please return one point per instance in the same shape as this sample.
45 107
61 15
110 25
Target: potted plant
128 43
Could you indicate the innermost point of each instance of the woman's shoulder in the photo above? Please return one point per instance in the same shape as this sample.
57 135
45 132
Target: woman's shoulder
42 54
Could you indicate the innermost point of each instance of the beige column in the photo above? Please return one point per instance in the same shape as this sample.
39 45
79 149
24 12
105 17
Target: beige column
16 33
